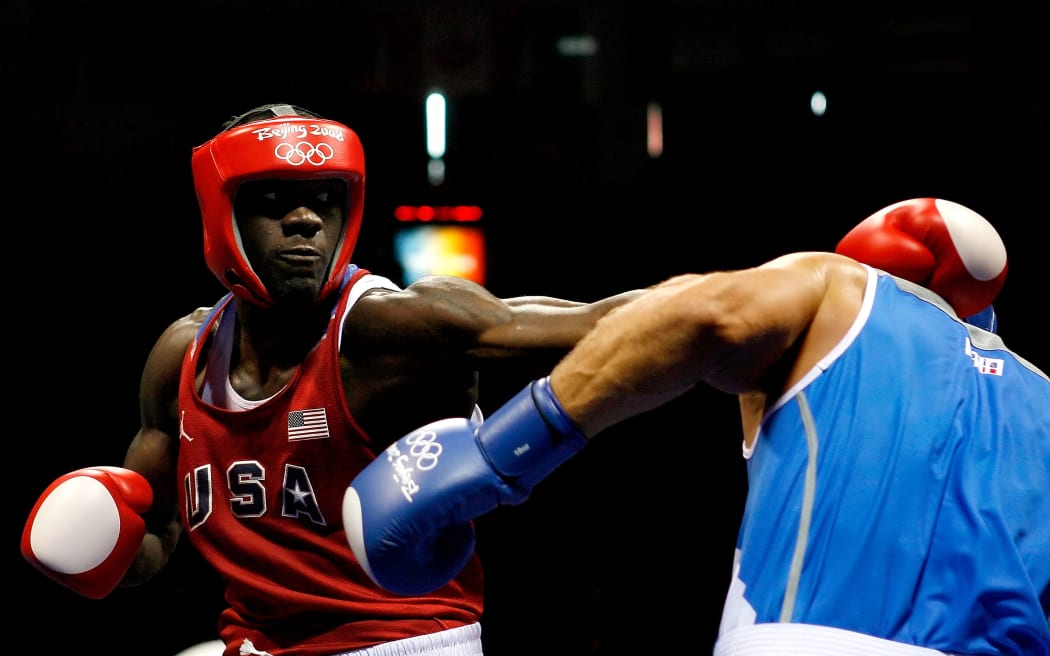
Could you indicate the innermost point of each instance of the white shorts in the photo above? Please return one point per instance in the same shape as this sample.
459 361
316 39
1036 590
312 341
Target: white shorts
462 641
789 639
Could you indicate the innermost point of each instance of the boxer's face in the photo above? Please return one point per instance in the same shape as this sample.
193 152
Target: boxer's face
289 230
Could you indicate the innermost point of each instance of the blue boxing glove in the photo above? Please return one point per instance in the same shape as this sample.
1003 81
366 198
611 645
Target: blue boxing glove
408 514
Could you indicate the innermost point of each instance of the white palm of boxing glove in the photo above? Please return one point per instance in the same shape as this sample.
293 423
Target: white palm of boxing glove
939 244
85 529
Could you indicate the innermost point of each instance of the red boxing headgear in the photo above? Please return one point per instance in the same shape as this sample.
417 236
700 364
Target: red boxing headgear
941 245
287 148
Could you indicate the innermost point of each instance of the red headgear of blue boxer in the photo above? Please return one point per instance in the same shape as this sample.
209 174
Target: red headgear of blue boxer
292 144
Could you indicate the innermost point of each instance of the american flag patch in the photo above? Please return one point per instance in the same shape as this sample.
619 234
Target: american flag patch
307 424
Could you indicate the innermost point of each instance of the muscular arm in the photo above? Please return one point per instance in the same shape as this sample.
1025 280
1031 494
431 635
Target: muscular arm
746 332
413 356
460 318
153 451
743 332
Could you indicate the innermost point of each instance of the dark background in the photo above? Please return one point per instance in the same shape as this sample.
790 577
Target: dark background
627 548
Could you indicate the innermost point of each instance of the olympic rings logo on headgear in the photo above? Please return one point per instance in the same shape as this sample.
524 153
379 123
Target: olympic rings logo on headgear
303 152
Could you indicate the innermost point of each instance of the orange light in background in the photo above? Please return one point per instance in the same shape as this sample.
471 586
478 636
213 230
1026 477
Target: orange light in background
448 250
654 129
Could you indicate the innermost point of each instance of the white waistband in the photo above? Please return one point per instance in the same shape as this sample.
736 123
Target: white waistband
461 641
787 639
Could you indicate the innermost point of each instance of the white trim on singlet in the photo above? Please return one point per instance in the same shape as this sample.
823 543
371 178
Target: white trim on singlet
830 357
218 390
790 639
367 283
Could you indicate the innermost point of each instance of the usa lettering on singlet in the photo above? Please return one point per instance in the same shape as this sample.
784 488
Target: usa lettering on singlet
261 502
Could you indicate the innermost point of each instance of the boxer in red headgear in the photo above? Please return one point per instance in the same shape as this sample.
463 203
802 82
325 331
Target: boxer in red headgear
293 145
258 411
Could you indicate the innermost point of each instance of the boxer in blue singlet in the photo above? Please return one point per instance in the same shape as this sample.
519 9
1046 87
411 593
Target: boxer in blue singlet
898 451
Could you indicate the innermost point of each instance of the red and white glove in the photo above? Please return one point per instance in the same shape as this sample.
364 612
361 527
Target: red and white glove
936 243
86 528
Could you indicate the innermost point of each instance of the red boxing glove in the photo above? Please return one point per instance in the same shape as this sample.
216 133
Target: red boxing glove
941 245
86 528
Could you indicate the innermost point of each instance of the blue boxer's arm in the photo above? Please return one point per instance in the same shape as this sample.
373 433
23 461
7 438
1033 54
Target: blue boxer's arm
408 514
529 437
